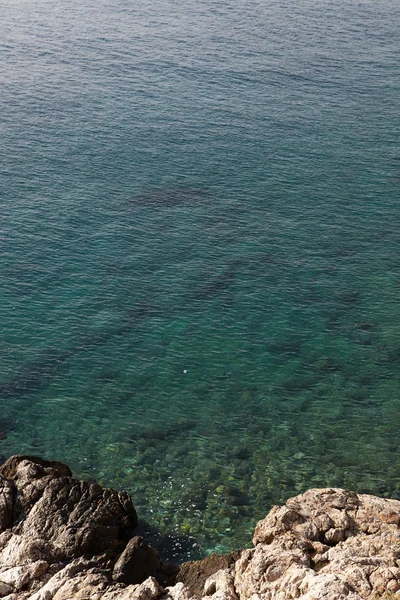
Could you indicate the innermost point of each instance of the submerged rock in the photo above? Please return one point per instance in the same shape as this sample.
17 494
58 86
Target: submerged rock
61 538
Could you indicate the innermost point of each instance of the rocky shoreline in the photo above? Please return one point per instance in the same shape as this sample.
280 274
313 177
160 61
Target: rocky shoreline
61 538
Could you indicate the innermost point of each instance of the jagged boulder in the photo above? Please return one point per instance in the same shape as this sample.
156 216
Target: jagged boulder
57 517
60 537
326 543
137 562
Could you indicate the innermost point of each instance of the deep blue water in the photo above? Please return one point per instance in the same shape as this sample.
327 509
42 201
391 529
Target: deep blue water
200 264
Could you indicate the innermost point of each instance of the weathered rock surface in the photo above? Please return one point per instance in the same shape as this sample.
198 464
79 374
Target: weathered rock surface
327 543
61 538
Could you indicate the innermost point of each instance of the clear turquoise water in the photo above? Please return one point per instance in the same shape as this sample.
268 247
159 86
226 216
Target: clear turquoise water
200 250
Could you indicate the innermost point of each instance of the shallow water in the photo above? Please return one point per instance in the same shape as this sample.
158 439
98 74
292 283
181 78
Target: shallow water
200 251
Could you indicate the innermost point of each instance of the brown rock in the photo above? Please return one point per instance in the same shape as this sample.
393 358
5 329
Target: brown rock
178 592
83 586
136 563
5 589
220 586
9 468
66 516
19 577
329 544
47 516
194 574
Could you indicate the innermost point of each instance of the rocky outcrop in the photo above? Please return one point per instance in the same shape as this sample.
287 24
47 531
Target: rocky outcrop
325 543
61 538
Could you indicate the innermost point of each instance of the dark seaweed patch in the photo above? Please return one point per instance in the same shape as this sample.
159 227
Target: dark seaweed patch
162 434
286 346
348 299
367 326
36 374
242 454
7 424
51 361
389 355
214 286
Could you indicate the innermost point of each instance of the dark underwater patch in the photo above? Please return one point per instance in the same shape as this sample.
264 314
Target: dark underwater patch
7 425
389 355
213 286
51 362
31 377
163 433
348 298
290 346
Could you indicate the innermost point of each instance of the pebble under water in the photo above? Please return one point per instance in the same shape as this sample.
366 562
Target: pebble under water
200 264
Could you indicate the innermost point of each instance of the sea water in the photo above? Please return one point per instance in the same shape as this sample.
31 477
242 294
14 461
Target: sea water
200 263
